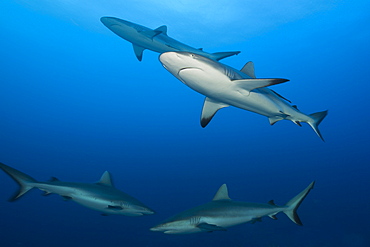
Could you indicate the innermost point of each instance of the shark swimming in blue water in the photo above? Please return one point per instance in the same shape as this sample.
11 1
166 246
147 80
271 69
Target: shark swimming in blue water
225 86
101 196
154 39
223 212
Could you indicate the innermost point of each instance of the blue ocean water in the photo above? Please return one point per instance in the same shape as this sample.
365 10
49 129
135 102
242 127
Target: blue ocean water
74 102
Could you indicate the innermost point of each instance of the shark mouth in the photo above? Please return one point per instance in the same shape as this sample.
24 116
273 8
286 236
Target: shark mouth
185 68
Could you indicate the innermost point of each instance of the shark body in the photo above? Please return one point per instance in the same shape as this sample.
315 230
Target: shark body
153 39
222 212
225 86
101 196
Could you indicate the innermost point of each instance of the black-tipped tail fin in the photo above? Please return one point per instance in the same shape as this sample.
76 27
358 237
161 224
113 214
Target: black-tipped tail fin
25 182
316 120
294 203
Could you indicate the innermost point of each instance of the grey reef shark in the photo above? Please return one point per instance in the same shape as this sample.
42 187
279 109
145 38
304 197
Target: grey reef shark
222 212
154 39
101 196
225 86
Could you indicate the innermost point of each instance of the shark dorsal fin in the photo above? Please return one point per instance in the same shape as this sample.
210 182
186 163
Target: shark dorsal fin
271 202
248 69
222 194
53 179
161 29
106 179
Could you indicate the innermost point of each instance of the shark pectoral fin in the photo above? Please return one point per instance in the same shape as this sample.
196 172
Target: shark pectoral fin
210 107
138 51
210 227
115 208
160 30
248 69
250 84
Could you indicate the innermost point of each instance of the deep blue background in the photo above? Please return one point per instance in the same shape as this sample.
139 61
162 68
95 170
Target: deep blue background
74 102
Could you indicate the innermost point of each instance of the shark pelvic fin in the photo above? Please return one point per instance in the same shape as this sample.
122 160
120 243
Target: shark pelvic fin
138 51
275 119
106 179
248 69
67 198
222 194
250 84
210 107
210 227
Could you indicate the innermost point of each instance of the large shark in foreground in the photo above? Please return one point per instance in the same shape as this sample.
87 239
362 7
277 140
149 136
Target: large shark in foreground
222 212
224 86
156 40
101 196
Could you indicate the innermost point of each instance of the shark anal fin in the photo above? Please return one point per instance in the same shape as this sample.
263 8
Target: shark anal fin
46 193
210 227
259 219
248 69
250 84
210 107
138 51
273 217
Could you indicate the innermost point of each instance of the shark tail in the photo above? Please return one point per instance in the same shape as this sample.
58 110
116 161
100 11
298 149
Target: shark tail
221 55
293 204
25 182
315 120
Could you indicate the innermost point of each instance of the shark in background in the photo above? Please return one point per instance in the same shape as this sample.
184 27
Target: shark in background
222 212
225 86
154 39
101 196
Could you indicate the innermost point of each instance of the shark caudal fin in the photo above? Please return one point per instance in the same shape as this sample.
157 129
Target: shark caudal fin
221 55
25 182
294 203
316 119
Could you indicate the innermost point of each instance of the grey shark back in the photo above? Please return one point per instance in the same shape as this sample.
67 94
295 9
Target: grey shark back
101 196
